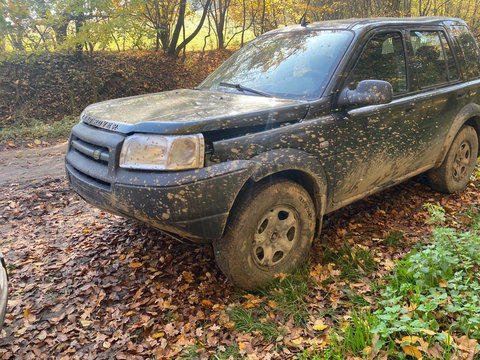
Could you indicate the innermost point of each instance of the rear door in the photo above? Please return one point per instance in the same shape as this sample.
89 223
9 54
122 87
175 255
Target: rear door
438 87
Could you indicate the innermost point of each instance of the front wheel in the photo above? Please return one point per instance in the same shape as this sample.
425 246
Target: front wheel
270 231
457 167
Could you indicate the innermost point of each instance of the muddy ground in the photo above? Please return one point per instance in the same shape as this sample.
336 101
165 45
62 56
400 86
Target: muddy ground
87 284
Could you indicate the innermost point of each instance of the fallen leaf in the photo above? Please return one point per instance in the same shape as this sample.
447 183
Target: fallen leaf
411 339
428 332
206 303
412 351
442 283
319 325
136 265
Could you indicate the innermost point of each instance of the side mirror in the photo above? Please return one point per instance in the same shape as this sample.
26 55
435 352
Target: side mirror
368 92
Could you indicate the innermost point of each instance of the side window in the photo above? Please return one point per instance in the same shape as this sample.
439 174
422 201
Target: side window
451 65
431 64
382 59
469 50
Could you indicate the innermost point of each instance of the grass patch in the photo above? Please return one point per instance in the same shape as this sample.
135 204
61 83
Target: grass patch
355 340
394 238
353 263
247 320
289 295
38 129
285 297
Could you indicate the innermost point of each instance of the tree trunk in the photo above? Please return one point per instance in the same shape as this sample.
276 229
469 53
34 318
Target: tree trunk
244 20
157 40
178 27
197 30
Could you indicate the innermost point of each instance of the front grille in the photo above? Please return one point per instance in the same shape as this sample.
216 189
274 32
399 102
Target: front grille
97 153
92 154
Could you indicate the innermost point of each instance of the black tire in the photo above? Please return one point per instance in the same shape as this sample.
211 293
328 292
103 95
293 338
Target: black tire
457 167
270 232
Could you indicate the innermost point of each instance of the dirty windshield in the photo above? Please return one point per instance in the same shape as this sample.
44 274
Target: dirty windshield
294 65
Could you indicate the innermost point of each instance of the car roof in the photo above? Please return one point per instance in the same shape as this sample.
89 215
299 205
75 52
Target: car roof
359 25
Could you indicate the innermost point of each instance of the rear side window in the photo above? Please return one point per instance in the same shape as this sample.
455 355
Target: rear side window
451 65
433 59
382 59
469 50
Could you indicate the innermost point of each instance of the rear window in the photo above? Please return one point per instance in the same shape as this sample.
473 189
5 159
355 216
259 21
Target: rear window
469 50
434 63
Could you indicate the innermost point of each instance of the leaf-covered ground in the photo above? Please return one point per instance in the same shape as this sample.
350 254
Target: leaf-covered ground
87 284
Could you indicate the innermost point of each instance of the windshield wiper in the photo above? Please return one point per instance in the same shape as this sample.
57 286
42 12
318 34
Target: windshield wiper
244 88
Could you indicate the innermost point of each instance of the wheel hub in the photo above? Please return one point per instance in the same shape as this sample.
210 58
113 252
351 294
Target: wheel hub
461 161
276 235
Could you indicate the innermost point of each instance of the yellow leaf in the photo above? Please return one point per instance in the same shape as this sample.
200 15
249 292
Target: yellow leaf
207 303
442 283
319 325
428 332
367 350
297 341
135 265
158 335
411 339
130 313
249 305
86 230
272 304
85 323
412 351
37 142
122 257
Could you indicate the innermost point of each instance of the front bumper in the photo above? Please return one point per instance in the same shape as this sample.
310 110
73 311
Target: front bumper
193 203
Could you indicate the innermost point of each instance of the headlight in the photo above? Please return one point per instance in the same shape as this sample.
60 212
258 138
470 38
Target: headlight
158 152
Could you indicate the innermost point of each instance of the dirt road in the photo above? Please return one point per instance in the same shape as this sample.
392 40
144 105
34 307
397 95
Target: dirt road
27 167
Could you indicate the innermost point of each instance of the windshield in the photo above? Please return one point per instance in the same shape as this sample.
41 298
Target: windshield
294 65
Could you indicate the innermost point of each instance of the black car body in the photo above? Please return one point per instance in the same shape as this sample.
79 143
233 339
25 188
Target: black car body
394 96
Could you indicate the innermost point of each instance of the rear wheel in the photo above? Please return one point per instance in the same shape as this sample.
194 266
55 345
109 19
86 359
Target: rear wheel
270 231
457 167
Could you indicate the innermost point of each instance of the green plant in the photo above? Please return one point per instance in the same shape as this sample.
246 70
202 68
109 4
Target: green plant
436 212
437 288
350 342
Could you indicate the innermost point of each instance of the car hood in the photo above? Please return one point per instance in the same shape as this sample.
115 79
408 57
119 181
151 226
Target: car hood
189 111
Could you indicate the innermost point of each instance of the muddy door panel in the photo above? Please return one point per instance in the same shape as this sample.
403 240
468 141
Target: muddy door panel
384 152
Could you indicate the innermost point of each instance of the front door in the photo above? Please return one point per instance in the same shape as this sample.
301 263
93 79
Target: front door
381 151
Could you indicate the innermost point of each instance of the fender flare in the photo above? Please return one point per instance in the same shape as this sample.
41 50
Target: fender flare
466 113
279 160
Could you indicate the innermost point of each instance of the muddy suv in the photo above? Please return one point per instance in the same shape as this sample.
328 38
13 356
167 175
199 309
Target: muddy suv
298 123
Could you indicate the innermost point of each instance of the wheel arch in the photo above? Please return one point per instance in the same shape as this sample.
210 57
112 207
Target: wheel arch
295 165
468 115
